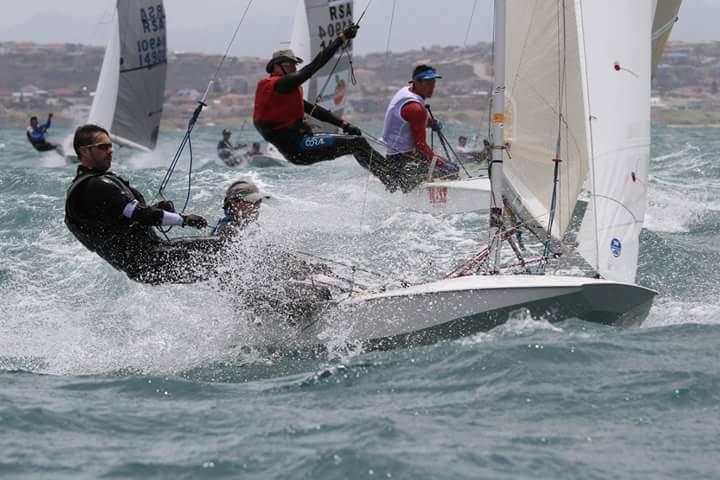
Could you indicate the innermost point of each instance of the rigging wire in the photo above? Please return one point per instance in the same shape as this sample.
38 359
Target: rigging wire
467 32
562 74
392 17
193 120
446 145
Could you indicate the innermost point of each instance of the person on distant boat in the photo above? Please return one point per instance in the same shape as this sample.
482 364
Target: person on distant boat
111 218
241 207
280 110
468 154
463 152
226 150
254 149
406 118
485 156
36 134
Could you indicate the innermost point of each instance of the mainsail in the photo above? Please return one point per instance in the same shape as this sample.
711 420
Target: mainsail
317 23
618 72
130 92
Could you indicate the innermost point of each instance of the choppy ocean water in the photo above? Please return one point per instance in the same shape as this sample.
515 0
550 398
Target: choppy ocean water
102 377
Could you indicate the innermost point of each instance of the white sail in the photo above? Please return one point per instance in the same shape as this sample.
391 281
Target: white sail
618 48
663 21
102 110
545 78
130 92
317 23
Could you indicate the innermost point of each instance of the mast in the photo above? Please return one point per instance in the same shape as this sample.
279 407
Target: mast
498 119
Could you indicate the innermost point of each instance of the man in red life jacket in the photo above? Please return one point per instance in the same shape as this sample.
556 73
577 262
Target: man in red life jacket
409 157
280 110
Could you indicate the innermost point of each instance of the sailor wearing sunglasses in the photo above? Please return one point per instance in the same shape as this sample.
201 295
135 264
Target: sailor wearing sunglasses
111 218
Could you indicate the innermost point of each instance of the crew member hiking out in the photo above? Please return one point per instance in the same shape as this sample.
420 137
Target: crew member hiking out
280 110
110 218
36 134
409 157
286 286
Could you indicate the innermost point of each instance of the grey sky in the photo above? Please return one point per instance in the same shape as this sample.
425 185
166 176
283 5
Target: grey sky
207 25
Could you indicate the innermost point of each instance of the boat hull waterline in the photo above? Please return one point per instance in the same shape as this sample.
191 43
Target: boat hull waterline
461 307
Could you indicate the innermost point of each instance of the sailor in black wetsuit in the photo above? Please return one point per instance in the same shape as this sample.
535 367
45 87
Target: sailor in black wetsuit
111 218
280 110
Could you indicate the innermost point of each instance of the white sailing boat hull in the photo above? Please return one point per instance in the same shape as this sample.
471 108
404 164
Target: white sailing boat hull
460 307
453 196
448 196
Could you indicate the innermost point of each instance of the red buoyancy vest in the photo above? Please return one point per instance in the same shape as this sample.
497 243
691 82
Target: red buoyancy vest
278 109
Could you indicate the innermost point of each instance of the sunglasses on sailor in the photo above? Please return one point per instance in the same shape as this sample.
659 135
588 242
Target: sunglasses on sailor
100 146
245 203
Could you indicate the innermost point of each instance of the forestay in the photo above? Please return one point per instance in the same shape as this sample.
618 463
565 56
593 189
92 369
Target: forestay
617 38
545 101
130 92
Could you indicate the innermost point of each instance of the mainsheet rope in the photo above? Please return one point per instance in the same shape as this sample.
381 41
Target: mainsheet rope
186 141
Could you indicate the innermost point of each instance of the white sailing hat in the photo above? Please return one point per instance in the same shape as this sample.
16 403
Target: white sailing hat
246 191
282 55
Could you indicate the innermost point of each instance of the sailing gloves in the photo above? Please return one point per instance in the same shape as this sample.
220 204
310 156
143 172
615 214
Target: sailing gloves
351 129
350 32
166 205
195 221
436 125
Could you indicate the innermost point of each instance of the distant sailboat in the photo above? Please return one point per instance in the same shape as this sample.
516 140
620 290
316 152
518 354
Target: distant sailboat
130 92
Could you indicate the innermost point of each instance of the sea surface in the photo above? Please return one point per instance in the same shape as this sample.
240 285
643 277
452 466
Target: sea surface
101 377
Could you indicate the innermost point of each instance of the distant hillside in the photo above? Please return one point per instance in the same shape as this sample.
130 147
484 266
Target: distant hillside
74 66
686 80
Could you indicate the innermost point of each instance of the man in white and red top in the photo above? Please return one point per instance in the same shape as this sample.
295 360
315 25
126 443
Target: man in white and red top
406 119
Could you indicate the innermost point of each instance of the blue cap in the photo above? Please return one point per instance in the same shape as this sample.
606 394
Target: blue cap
429 74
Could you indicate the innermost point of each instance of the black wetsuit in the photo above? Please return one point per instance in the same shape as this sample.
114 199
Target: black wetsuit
94 214
299 144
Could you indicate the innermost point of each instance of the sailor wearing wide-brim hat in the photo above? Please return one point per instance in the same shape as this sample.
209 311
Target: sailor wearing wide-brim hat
282 56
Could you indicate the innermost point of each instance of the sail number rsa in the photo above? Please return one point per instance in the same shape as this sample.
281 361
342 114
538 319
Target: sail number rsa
340 19
152 19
